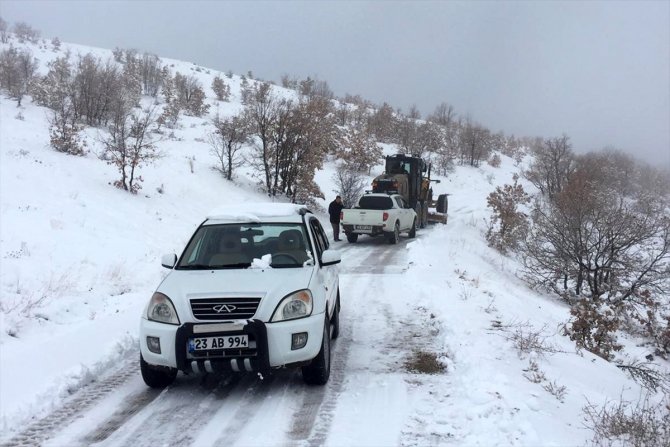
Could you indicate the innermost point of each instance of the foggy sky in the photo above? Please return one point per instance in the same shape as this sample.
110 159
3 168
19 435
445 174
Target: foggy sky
597 71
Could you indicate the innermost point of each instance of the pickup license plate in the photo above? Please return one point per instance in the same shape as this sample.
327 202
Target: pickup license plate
219 342
363 227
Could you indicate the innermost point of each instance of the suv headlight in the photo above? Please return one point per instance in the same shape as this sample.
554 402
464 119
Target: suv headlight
162 310
296 305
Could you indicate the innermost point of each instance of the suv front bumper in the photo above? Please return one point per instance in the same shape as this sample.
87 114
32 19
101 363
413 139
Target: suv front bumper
269 344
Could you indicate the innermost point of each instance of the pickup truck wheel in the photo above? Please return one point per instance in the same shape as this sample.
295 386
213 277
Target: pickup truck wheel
412 231
335 321
352 237
318 372
157 377
395 236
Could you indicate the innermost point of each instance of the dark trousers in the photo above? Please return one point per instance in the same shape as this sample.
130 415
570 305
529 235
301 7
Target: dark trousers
336 230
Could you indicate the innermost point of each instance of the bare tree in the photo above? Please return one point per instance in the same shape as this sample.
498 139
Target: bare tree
474 143
170 115
129 145
17 70
261 112
64 131
358 149
55 43
151 74
589 238
56 86
508 223
230 136
4 31
350 184
221 89
190 94
414 113
382 123
25 32
553 163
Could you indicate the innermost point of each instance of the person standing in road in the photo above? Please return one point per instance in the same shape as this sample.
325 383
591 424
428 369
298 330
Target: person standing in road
334 209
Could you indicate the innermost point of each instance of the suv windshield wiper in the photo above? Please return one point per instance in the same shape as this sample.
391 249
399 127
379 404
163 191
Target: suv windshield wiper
239 265
194 267
214 266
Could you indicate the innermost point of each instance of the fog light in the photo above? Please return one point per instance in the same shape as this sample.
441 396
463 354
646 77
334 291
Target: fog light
154 344
298 341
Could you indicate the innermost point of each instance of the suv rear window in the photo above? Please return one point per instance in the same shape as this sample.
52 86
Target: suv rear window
375 203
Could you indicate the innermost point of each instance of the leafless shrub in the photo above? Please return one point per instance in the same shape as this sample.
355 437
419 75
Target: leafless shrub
526 339
647 375
494 161
556 390
640 424
533 373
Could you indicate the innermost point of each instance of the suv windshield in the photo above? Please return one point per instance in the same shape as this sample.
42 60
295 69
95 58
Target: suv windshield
232 246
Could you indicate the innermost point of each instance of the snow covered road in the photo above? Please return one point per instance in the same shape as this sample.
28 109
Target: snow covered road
366 402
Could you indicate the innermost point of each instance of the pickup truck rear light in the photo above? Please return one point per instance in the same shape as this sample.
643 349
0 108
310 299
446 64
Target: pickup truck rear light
341 215
386 216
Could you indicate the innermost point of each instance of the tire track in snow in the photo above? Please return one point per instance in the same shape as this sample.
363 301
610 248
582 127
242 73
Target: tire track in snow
178 415
247 407
133 406
312 422
40 431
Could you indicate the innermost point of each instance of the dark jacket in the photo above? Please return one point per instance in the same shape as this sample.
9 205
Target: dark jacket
334 209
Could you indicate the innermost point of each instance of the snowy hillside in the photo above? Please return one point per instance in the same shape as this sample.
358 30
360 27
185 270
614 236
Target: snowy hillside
79 259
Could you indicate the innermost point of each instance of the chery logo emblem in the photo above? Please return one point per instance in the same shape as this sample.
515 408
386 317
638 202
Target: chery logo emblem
227 308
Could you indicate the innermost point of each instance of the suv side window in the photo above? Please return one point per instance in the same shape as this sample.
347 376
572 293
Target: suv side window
319 237
400 203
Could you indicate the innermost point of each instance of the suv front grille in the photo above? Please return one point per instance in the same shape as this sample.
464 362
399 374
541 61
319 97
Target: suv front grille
224 308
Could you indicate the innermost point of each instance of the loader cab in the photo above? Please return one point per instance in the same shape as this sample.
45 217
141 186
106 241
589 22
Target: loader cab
413 167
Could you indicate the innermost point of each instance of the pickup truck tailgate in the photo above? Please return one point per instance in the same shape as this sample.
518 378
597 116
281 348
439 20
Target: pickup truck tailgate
362 217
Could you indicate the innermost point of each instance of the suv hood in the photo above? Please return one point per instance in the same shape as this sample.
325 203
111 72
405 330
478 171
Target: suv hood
271 285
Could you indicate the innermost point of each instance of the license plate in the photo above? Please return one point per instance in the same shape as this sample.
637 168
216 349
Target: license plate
220 342
363 227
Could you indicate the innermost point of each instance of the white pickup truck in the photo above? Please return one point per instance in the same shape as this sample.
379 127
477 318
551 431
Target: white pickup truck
379 214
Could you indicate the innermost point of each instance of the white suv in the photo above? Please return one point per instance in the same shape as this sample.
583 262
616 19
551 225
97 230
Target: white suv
256 288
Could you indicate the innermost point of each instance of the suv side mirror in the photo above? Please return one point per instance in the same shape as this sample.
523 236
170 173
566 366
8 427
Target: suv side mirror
168 261
330 257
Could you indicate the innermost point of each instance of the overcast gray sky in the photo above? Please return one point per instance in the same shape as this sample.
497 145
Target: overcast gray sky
598 71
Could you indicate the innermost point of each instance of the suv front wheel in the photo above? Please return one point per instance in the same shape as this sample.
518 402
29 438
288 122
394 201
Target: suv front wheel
157 377
318 372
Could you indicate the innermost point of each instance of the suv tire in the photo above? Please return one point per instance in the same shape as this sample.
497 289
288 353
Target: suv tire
157 377
335 321
352 237
318 372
